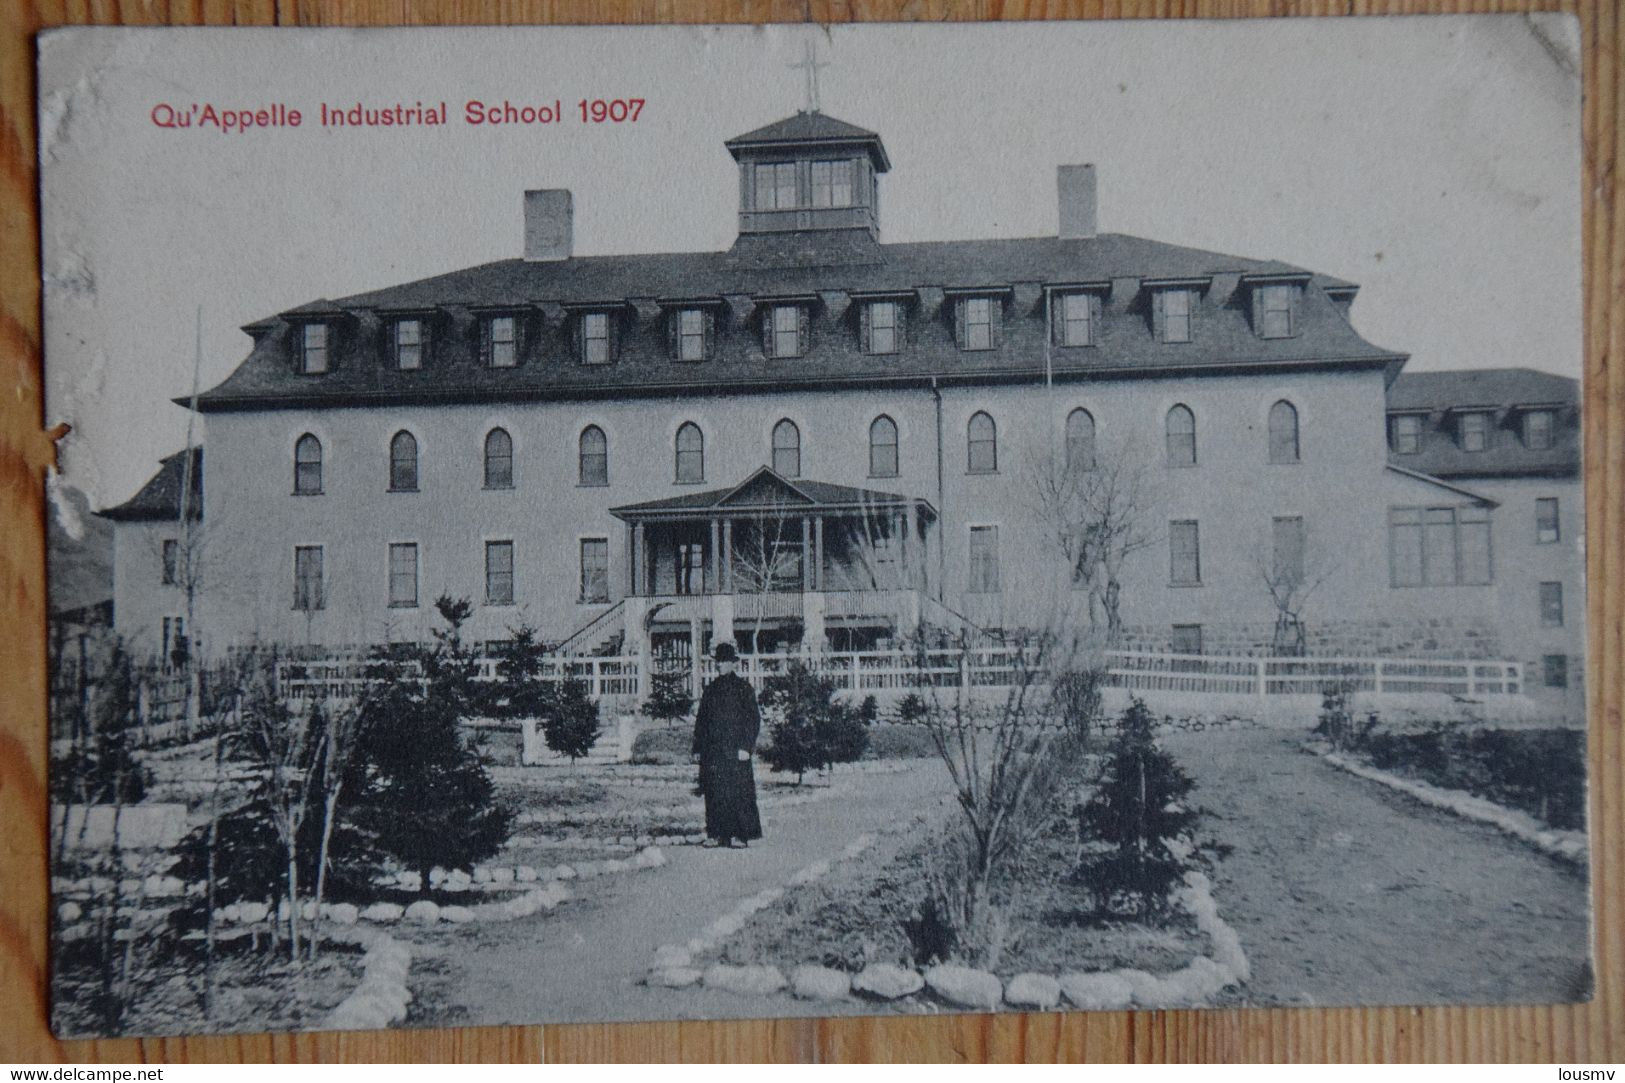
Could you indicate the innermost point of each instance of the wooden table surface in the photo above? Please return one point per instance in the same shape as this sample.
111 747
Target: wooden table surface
1571 1033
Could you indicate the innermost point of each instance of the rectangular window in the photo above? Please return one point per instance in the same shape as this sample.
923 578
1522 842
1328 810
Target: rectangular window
1184 553
984 560
1407 434
502 342
1473 532
307 578
832 184
1074 323
499 573
785 339
1556 670
1538 430
1475 431
1176 315
594 570
691 568
403 574
978 323
172 562
595 338
883 325
1275 311
690 334
408 344
1187 639
1551 605
776 186
1439 547
1547 530
1288 557
1405 547
313 348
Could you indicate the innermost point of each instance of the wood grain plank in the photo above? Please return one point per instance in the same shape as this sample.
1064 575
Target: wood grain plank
1594 1031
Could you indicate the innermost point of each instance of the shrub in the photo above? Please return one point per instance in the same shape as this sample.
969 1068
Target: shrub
671 696
666 745
101 767
1130 820
570 720
808 728
912 709
1076 699
568 714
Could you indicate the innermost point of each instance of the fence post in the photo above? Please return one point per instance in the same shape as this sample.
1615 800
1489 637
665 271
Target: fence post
1377 677
856 684
1263 678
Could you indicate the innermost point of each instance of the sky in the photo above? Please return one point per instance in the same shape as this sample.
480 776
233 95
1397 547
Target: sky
1433 160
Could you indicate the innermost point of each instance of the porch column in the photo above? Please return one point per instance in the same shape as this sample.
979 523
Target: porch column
818 553
716 558
696 677
637 559
728 555
807 578
900 525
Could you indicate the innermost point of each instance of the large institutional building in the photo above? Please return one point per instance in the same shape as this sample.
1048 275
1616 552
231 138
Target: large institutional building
815 437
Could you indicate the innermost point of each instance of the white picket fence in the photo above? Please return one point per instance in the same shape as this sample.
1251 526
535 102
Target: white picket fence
999 667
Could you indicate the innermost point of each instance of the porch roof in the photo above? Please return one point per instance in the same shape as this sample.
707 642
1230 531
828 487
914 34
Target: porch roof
766 491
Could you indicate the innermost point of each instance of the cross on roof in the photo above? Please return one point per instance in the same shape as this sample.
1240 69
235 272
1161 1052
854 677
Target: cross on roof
810 65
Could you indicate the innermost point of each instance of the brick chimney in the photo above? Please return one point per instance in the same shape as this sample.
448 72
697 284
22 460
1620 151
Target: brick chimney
1076 187
548 218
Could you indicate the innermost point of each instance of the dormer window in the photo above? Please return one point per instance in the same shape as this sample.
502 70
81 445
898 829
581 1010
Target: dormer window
832 184
409 344
690 334
313 348
1474 430
1173 313
1072 319
776 186
786 331
880 327
1539 429
1275 312
1406 430
976 323
595 343
499 341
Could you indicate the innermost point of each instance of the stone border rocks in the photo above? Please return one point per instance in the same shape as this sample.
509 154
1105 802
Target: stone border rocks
1569 846
381 998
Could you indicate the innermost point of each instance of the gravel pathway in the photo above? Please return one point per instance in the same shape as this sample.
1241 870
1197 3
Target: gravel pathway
586 960
1345 892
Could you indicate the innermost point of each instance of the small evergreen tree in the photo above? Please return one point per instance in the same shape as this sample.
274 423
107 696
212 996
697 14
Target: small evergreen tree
568 715
912 709
808 729
670 697
1131 819
427 799
570 720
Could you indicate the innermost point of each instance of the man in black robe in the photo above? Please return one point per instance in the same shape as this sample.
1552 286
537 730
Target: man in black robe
725 729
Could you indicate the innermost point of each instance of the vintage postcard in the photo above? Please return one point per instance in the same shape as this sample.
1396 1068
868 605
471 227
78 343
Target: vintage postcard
707 522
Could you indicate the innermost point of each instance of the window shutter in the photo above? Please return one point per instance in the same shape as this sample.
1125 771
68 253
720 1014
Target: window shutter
959 323
485 341
767 331
803 329
1056 302
995 322
673 319
708 321
612 334
1158 323
900 325
864 339
425 340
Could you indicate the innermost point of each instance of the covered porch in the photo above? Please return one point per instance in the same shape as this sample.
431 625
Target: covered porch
777 564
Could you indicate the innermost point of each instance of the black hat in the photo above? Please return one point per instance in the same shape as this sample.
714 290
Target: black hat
725 652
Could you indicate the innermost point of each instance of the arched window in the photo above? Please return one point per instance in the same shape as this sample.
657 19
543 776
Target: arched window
498 459
690 453
307 465
1080 440
593 457
1283 432
403 463
883 447
982 445
1181 436
787 449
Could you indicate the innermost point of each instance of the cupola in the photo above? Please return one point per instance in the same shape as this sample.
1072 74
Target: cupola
808 172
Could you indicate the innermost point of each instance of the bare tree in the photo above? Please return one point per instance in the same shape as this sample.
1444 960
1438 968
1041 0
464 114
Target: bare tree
765 564
1097 512
1291 571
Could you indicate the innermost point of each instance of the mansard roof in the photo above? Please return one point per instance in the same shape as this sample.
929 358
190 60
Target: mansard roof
1505 393
834 266
160 497
767 491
